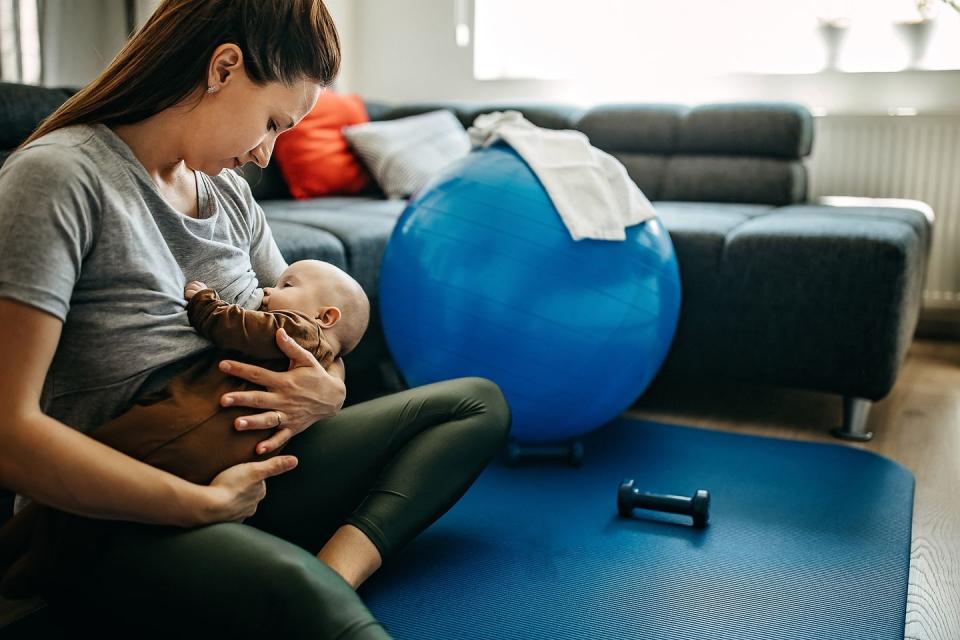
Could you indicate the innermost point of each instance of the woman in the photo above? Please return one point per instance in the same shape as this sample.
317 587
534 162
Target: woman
115 202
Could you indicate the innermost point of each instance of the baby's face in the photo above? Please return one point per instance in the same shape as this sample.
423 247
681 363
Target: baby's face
301 287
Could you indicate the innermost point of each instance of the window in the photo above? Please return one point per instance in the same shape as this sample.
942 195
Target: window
20 41
571 39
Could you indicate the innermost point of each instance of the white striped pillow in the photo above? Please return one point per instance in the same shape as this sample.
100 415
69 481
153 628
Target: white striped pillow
403 154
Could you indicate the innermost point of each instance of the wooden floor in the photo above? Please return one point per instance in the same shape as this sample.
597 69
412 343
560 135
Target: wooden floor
918 425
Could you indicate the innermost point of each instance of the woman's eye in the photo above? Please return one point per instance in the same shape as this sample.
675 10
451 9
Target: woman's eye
272 126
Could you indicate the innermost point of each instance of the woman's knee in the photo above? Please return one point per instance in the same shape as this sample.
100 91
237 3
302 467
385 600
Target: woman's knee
487 398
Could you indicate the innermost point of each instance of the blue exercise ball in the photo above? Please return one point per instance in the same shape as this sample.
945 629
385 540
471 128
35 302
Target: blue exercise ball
480 277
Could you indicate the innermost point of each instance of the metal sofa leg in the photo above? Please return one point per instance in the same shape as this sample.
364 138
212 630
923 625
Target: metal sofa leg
855 412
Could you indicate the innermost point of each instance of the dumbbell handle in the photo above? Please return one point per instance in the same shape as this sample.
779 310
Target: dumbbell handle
657 502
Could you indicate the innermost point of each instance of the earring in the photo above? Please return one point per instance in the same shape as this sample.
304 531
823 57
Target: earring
211 89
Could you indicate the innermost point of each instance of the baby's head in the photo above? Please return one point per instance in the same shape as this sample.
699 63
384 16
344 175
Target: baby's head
326 293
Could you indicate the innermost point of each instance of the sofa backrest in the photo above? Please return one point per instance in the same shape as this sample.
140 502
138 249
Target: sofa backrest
735 152
22 107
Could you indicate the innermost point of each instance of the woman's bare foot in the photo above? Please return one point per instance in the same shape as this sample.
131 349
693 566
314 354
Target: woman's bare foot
350 553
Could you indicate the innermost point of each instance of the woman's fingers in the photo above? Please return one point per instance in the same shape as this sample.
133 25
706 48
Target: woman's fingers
257 399
265 420
273 467
299 356
250 373
274 442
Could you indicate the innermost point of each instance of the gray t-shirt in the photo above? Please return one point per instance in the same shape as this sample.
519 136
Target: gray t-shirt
86 236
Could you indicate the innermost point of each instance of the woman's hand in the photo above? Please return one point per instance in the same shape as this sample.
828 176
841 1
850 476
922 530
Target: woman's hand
238 490
293 399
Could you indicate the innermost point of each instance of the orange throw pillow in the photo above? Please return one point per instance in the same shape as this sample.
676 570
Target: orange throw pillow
314 157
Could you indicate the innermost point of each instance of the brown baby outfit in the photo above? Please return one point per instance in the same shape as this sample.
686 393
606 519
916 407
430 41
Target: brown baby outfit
181 428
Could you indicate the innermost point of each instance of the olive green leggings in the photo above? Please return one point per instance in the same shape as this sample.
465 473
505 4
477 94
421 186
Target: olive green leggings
390 466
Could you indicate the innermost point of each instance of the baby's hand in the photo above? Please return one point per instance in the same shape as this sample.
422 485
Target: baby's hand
192 288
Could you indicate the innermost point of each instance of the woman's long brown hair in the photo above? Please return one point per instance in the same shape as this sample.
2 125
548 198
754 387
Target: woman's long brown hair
168 58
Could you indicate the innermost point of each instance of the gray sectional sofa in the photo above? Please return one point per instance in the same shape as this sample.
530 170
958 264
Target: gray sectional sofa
776 290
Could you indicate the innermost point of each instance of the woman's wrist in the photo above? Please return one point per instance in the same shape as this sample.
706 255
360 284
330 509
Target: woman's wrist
199 505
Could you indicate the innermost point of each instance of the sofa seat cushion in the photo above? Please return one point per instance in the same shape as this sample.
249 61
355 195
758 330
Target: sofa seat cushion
699 231
797 296
301 242
362 226
843 283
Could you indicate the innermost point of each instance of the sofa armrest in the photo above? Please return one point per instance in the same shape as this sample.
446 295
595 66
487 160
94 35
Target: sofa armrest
827 297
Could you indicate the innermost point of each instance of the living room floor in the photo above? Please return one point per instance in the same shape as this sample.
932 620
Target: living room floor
918 425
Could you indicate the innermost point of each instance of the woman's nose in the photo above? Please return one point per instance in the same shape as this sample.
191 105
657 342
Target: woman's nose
261 155
259 158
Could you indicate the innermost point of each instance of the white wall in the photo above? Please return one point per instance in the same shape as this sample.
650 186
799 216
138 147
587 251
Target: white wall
83 37
404 50
80 38
343 12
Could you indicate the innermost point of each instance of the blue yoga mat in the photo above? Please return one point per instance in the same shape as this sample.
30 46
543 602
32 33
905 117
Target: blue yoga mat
805 541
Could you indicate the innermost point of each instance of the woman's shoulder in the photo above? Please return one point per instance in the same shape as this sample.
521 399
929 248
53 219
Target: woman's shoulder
61 155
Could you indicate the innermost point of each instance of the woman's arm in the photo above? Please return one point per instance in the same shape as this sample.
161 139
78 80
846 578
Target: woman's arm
57 465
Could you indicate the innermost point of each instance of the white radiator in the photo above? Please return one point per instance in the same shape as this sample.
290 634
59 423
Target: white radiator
915 157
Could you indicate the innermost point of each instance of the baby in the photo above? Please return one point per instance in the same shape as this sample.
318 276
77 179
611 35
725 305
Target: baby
182 428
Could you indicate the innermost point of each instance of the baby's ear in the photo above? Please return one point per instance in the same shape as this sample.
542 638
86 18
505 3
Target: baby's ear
328 317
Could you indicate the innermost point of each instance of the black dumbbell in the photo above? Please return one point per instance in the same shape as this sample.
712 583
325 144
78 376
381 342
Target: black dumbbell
571 452
697 507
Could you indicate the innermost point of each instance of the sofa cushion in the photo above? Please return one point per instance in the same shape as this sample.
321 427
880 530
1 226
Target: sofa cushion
22 107
763 129
637 128
300 242
817 289
315 158
361 225
402 155
699 233
736 179
547 115
647 170
735 153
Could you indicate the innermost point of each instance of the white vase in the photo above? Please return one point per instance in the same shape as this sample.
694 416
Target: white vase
915 37
833 35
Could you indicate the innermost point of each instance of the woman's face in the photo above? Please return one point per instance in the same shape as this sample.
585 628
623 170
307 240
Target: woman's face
240 121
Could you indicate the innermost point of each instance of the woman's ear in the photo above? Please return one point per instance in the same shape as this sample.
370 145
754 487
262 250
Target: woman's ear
328 317
227 60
